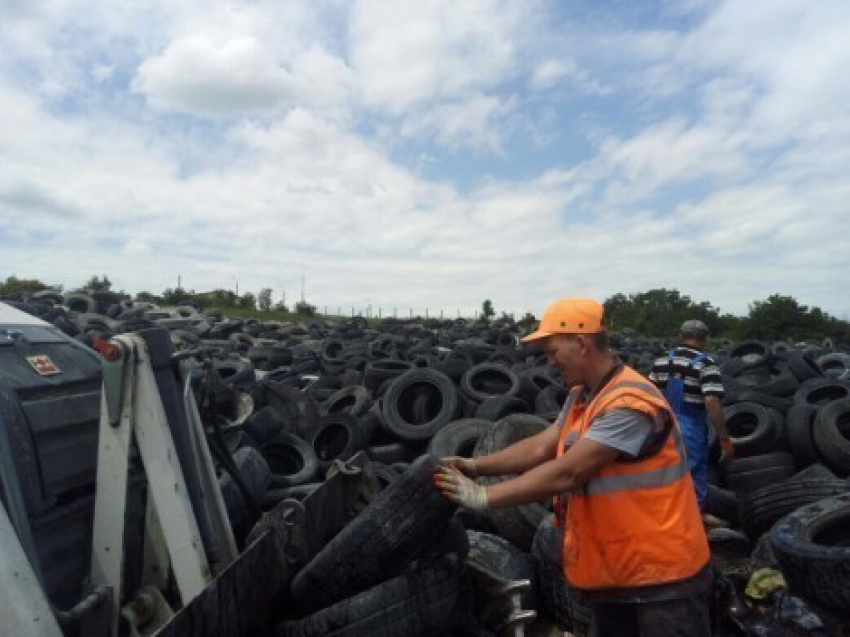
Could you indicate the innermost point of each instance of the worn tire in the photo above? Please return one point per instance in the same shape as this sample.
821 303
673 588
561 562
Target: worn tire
763 507
458 438
821 391
336 437
799 428
804 367
832 436
555 597
724 504
489 379
403 411
812 545
355 400
519 523
497 407
834 365
752 428
398 524
748 474
428 598
292 461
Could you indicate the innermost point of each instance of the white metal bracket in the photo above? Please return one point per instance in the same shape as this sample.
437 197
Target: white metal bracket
142 417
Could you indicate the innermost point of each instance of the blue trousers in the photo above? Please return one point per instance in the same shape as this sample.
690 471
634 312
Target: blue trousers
694 428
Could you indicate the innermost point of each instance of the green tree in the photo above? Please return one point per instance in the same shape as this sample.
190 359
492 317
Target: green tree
658 312
780 317
147 297
303 308
487 311
264 299
173 296
14 285
98 284
248 301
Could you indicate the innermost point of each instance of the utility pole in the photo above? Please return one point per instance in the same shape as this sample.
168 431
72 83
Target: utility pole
178 281
302 284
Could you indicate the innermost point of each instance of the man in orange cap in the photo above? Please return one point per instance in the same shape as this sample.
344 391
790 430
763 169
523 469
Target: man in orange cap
616 466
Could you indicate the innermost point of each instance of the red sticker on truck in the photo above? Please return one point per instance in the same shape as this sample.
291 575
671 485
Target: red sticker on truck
43 365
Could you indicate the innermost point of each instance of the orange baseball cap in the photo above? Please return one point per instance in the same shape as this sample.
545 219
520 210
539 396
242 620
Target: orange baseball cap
570 316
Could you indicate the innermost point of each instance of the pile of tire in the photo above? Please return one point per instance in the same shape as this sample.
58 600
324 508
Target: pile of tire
789 420
403 390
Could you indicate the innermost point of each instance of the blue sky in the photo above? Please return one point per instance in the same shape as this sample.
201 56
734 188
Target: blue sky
430 154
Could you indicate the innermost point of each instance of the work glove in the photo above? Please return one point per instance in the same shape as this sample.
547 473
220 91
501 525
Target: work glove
459 489
465 465
728 448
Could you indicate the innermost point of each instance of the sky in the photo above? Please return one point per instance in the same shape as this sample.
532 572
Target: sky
432 154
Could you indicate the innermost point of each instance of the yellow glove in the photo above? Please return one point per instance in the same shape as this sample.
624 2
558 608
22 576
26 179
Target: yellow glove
459 489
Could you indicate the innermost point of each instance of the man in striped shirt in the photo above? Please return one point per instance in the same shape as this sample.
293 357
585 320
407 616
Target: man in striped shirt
691 381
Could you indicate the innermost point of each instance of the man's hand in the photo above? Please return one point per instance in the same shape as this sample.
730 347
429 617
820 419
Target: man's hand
728 448
465 465
459 489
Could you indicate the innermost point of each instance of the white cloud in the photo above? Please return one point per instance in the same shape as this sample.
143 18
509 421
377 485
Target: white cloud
198 75
714 156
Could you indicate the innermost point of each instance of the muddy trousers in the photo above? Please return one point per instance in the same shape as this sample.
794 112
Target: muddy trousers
686 617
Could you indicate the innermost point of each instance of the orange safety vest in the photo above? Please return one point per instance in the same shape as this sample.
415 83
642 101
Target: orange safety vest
634 523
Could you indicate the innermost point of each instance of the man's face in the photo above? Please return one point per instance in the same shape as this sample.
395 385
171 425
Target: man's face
564 353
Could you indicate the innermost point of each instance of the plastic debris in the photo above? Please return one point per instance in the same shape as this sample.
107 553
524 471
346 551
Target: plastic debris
764 583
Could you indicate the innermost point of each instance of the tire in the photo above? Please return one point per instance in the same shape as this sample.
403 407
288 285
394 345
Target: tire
755 396
752 353
748 474
784 384
489 379
291 460
832 436
835 365
800 431
255 472
336 437
458 438
555 597
354 400
724 504
385 474
550 400
392 452
80 302
397 525
428 598
497 407
380 371
752 428
804 367
517 524
532 381
765 506
298 411
812 545
263 424
425 385
820 391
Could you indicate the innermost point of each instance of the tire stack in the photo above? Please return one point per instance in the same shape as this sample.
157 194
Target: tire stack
789 422
406 390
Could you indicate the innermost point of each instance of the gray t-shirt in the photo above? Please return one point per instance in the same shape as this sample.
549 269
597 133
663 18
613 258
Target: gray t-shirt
626 430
